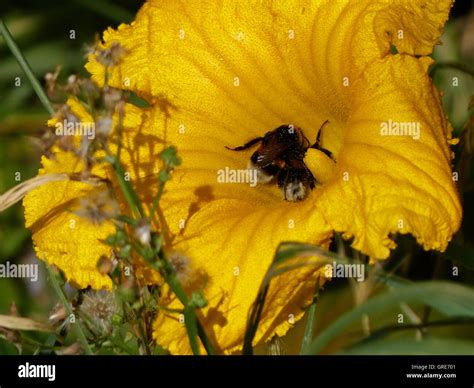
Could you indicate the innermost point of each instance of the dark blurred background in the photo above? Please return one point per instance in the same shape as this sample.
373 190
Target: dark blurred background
42 29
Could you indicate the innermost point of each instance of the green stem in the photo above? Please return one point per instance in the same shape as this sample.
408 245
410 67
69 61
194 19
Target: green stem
26 67
168 273
190 312
156 200
254 320
308 331
190 321
127 190
57 288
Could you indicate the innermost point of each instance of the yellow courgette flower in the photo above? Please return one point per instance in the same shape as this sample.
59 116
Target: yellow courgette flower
218 73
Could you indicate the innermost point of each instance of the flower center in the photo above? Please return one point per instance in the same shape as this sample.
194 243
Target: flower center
280 159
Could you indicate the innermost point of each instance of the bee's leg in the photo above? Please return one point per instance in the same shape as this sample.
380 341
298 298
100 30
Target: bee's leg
318 140
246 145
309 179
324 151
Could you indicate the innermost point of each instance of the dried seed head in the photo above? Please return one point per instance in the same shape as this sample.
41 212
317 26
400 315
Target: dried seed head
97 207
104 127
53 137
105 265
89 87
73 85
111 56
190 277
97 310
181 265
52 82
112 97
143 232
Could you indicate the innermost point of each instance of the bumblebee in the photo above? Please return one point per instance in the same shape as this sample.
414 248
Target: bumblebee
280 158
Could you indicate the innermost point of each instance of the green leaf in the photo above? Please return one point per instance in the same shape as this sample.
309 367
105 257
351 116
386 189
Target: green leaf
308 331
125 251
157 240
450 299
197 300
170 157
128 220
119 238
410 346
164 176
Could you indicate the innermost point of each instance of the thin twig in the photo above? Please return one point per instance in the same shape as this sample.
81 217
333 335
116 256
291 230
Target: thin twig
77 325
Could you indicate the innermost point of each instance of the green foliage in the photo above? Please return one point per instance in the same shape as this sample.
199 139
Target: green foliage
449 298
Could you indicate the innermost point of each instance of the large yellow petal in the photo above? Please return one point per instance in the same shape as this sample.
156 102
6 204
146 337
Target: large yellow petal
219 73
61 237
387 183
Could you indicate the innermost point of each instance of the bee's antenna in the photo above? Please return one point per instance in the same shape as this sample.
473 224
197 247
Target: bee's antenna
246 145
318 137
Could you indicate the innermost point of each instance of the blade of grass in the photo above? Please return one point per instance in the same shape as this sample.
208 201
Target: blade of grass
190 321
408 346
449 298
190 317
127 189
308 331
253 321
25 67
385 331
